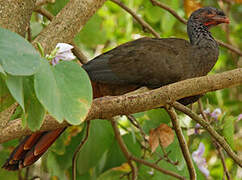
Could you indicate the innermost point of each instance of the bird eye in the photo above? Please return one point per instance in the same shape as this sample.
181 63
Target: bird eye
221 13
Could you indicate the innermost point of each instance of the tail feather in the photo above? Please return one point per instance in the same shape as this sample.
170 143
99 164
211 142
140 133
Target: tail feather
31 149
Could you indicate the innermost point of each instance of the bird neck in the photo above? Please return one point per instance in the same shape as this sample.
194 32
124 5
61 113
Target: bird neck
199 35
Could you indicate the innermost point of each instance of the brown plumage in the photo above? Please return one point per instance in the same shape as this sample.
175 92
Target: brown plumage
150 62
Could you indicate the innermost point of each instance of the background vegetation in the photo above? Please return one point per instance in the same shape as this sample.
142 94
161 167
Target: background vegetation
100 157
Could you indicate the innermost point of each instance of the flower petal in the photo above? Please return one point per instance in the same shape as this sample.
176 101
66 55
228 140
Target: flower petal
62 47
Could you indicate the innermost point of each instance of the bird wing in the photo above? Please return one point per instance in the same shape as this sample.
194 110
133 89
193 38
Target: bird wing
151 62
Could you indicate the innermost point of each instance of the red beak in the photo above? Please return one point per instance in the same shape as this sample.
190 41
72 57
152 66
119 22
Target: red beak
215 20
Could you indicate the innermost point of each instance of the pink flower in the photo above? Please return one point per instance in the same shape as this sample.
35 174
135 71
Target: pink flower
196 129
200 160
216 113
239 117
63 53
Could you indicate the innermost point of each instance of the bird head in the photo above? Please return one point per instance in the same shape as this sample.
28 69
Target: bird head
209 16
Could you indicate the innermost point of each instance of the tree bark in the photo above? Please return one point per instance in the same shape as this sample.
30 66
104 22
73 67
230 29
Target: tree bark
68 22
107 107
15 15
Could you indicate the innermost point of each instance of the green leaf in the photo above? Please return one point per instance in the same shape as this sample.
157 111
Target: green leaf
6 99
228 130
89 34
99 141
15 86
35 112
54 168
154 118
64 90
2 70
115 156
57 6
111 175
17 56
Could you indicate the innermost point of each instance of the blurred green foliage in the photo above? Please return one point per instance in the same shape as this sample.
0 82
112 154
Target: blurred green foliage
112 26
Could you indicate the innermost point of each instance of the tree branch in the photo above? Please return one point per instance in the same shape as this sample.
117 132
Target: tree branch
107 107
15 15
210 130
182 142
130 157
124 148
144 24
75 15
76 51
74 158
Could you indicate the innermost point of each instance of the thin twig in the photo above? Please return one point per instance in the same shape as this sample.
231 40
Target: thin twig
137 125
182 142
154 166
74 158
217 146
45 13
173 12
79 54
133 120
230 47
43 2
221 155
144 24
131 157
29 36
200 105
221 43
210 130
124 148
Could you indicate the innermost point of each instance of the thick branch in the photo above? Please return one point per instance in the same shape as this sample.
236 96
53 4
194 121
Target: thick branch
76 51
107 107
15 15
68 22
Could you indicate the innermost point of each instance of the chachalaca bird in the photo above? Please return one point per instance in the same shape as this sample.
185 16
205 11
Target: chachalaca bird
151 62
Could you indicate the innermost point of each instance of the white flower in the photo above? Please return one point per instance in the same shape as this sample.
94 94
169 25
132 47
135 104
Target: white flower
63 53
199 160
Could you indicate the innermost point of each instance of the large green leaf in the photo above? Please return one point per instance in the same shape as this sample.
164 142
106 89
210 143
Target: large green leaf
2 70
35 112
17 56
64 90
15 86
115 156
99 141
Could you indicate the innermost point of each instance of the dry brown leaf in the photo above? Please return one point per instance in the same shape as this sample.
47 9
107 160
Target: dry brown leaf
191 5
163 135
238 1
153 140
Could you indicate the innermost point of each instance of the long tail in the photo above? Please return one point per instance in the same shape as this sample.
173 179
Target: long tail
31 149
